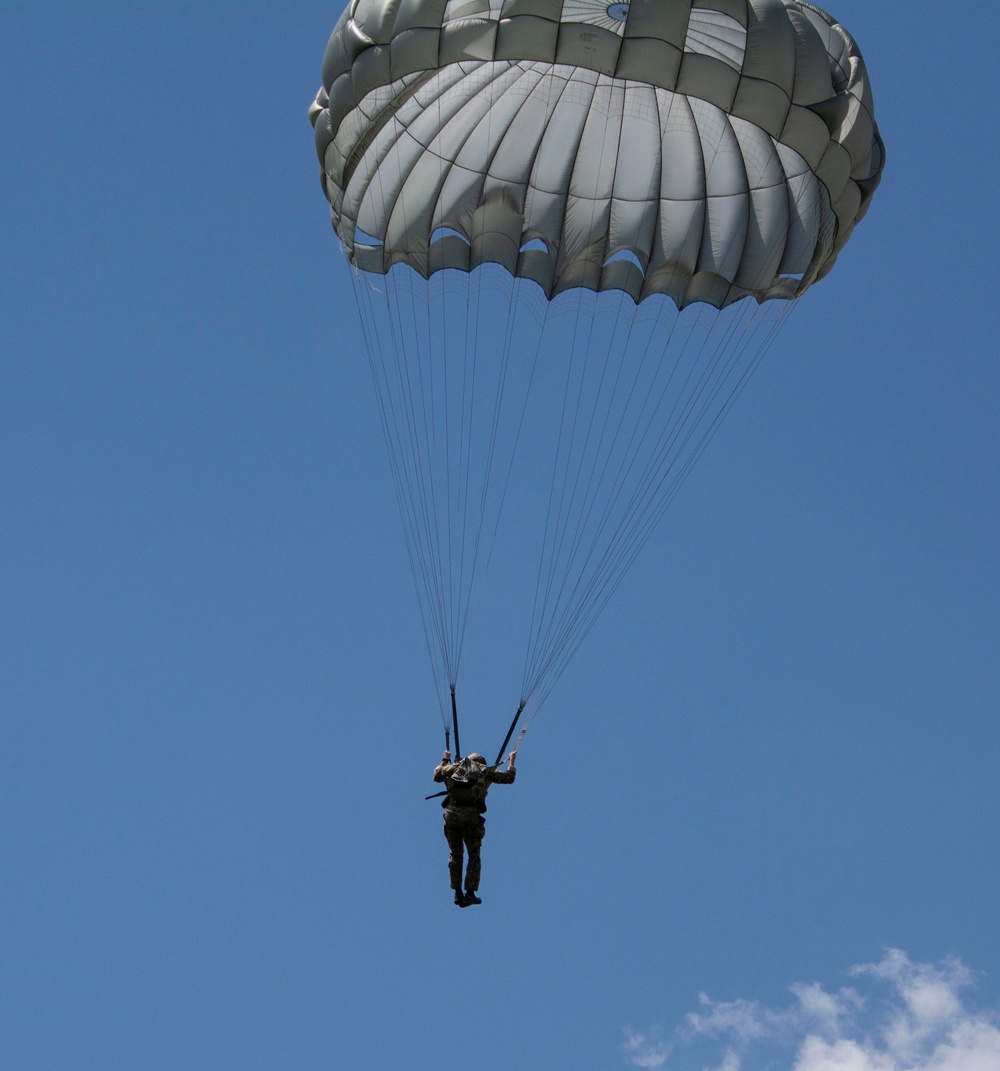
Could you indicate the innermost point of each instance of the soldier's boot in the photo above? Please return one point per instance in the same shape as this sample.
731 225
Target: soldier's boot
471 898
461 899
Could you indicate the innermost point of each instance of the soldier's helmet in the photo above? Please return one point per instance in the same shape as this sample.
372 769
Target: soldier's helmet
476 757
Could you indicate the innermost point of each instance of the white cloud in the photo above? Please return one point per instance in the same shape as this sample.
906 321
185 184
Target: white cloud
730 1061
644 1053
743 1018
826 1011
914 1020
929 1004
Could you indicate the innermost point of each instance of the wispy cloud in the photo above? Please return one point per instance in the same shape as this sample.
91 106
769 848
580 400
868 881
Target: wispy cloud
915 1019
645 1053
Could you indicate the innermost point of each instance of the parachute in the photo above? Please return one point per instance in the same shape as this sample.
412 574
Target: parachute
575 227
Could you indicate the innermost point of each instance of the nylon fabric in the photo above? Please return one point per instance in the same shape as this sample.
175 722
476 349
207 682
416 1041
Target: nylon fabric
532 120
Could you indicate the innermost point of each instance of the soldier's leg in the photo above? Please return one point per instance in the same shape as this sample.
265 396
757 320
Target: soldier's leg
454 838
474 833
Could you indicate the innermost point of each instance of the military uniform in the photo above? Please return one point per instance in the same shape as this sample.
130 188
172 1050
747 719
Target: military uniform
464 825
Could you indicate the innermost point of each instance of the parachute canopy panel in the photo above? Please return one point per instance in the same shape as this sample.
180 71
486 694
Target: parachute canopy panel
708 151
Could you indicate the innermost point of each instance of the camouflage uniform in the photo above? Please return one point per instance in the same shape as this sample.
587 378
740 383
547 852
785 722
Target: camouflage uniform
464 825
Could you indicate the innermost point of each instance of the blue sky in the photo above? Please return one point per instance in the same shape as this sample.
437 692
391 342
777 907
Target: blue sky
774 760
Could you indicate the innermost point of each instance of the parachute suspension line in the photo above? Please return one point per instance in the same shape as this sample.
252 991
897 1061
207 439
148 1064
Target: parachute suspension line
460 505
662 500
677 426
581 597
652 469
604 430
750 363
395 419
697 393
485 533
520 736
547 607
438 433
559 477
414 393
660 487
549 559
469 380
582 609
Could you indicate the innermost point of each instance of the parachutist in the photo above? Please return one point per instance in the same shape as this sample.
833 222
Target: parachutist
467 782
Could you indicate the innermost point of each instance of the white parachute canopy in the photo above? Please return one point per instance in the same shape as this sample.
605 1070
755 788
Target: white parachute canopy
576 225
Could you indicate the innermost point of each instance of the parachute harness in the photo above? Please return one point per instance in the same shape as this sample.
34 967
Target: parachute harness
499 759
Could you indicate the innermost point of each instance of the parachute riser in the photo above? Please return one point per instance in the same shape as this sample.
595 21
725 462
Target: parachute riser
510 733
454 722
